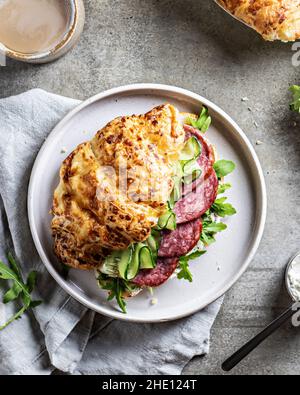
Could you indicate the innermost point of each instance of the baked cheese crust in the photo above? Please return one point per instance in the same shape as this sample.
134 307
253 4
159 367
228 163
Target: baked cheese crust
94 212
273 19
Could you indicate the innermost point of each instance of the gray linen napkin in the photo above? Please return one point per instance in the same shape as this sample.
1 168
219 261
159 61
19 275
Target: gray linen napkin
61 333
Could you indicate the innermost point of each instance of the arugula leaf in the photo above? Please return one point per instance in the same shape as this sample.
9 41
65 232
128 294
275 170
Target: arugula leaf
194 255
31 281
223 209
208 238
295 105
12 294
223 188
185 273
215 227
203 122
14 266
116 287
18 289
224 167
35 303
116 291
210 229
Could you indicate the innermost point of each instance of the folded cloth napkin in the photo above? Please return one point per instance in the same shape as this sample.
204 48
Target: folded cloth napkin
61 333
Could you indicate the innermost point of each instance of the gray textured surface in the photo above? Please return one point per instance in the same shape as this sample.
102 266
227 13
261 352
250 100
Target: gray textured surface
193 44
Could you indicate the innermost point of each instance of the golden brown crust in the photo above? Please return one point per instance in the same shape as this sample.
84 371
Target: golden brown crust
273 19
93 213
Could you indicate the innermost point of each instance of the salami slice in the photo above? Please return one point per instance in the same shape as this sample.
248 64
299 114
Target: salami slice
156 277
179 242
197 202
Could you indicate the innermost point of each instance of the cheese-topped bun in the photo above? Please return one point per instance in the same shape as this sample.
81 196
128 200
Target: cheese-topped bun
114 188
273 19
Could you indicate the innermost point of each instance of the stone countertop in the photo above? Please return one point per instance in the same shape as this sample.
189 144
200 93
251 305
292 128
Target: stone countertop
195 45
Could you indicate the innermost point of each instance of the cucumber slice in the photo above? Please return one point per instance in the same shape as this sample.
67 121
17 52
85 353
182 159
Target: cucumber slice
191 171
134 264
191 150
110 264
177 170
171 224
152 243
124 262
146 258
167 221
177 191
157 236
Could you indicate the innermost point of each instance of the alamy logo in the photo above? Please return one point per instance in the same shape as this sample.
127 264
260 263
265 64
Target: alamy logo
296 316
296 56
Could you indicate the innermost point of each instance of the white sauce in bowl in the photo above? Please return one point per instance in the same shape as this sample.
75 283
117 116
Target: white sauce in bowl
293 278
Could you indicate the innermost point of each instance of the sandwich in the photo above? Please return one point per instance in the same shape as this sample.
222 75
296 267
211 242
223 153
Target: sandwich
140 201
273 19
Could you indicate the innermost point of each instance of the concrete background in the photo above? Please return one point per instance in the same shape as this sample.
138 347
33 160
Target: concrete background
195 45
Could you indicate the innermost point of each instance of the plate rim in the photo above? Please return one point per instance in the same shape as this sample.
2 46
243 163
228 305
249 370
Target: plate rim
261 198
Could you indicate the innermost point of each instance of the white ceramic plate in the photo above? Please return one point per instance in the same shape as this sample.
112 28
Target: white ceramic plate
225 261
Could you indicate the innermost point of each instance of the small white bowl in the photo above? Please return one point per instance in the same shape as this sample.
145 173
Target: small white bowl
76 24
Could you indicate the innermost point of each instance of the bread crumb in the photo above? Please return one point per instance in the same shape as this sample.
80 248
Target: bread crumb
255 124
244 99
258 142
63 150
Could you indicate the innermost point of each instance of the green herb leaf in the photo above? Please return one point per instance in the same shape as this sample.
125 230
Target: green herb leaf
119 295
193 255
14 266
7 274
203 122
224 167
185 272
223 188
295 105
31 281
18 289
35 303
116 288
12 294
208 238
15 317
215 227
210 229
223 209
